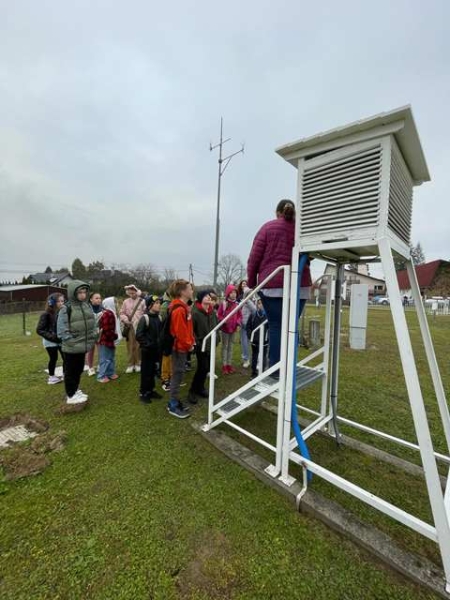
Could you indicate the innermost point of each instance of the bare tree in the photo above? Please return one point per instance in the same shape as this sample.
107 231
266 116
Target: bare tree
169 275
230 269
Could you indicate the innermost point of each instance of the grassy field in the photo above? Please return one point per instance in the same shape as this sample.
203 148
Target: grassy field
139 506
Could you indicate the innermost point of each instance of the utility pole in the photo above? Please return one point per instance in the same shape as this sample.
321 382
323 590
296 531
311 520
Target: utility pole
225 162
191 274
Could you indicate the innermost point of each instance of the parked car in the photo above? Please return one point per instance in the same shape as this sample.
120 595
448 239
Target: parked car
384 300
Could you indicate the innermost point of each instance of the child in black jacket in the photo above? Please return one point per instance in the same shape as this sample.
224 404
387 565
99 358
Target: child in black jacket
148 334
254 321
46 328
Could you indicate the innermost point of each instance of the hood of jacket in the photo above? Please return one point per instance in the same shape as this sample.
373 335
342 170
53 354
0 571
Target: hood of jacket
73 287
110 304
230 288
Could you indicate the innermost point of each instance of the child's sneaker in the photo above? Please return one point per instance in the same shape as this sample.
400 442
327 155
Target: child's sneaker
80 394
75 399
166 386
103 380
91 371
246 364
137 368
129 369
114 377
214 376
188 366
176 409
52 379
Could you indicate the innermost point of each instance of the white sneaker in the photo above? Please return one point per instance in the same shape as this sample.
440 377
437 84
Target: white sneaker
80 394
137 368
91 372
129 370
215 376
75 399
86 368
246 364
52 379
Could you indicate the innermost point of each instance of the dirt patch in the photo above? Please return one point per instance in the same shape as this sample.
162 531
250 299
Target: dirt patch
49 442
19 462
67 409
23 460
29 422
212 571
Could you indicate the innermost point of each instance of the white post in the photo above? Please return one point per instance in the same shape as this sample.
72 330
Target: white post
274 470
212 379
429 351
291 364
261 349
326 352
417 408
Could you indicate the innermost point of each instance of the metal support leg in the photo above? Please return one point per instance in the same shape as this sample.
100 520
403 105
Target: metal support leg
334 429
440 516
274 470
290 366
429 351
326 353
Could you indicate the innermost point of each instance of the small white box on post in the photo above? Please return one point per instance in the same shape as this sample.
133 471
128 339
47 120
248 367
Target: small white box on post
359 297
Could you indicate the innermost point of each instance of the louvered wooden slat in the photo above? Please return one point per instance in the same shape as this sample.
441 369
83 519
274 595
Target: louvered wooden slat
342 194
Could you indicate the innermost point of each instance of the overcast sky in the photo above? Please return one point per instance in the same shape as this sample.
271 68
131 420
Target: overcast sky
107 110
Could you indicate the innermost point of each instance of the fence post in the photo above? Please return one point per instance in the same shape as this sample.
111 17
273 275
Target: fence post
24 324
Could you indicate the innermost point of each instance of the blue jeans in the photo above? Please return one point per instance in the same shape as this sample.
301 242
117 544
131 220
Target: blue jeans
244 343
274 310
106 361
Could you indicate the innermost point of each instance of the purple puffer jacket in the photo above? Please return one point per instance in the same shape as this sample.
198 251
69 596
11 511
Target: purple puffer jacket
271 248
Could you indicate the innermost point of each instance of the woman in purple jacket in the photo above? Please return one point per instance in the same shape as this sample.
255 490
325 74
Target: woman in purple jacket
272 247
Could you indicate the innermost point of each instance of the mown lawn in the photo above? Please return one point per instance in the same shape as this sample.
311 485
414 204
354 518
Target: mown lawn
139 506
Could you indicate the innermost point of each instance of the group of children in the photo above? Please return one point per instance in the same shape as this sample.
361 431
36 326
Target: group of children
155 345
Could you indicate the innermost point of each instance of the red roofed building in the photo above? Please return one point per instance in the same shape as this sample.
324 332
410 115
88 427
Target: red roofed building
433 278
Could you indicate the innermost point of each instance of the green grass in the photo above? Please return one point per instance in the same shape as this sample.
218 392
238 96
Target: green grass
140 506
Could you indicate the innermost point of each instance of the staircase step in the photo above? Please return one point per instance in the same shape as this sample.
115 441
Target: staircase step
305 377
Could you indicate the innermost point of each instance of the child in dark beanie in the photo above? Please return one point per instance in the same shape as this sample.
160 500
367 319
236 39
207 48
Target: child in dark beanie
204 319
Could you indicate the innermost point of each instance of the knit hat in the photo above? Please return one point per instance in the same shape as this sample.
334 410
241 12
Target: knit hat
150 300
202 294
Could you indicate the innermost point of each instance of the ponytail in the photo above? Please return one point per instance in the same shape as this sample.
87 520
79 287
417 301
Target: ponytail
286 209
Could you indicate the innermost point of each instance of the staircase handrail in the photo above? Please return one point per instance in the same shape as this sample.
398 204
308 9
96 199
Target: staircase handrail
257 329
244 301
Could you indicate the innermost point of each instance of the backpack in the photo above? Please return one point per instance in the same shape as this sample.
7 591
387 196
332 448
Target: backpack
167 339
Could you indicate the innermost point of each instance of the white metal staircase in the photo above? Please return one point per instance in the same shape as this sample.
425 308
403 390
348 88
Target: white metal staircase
260 388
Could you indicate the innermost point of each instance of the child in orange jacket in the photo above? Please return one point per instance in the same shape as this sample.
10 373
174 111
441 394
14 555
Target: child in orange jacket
181 328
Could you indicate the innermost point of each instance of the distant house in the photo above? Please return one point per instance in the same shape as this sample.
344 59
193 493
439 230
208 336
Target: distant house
377 287
433 279
52 278
97 277
29 293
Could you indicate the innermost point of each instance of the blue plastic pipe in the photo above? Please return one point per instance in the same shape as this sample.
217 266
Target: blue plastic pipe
294 418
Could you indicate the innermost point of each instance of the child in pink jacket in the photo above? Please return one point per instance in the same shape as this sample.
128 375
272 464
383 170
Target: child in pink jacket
228 329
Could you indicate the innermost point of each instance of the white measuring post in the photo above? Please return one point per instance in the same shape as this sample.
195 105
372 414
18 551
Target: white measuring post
359 298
